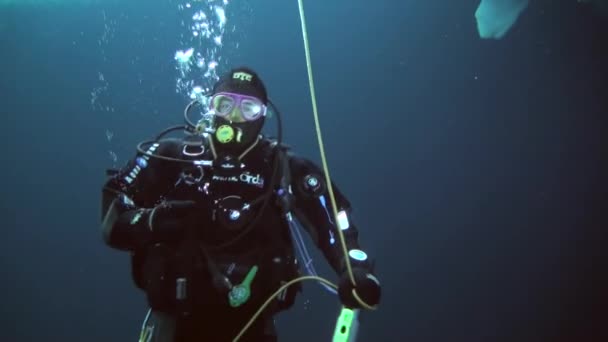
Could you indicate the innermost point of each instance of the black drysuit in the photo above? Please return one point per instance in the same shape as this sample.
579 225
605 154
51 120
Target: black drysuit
183 267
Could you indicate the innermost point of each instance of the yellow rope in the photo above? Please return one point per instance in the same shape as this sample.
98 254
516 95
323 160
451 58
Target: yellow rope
253 318
322 151
329 189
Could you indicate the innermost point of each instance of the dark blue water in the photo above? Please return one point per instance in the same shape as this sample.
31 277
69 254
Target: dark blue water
477 169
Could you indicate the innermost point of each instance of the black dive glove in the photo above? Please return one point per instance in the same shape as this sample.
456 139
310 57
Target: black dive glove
164 223
368 289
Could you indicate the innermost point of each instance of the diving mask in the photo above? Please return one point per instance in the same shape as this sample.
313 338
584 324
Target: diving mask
223 103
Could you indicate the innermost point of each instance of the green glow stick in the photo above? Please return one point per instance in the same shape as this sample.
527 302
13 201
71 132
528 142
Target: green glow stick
240 293
346 326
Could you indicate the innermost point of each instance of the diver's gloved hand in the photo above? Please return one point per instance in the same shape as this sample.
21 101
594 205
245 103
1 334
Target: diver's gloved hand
368 289
140 227
166 221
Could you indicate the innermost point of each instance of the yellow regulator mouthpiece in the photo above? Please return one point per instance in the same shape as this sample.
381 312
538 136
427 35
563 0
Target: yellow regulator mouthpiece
224 134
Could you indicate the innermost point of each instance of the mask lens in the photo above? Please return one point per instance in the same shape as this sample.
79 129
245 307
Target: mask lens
222 104
251 109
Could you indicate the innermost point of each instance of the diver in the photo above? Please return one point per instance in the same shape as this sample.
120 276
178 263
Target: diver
205 219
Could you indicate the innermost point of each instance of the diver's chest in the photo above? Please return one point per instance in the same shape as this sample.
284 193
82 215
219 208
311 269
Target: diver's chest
247 182
238 180
232 194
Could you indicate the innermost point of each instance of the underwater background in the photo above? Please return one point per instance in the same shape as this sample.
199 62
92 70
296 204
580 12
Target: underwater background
476 167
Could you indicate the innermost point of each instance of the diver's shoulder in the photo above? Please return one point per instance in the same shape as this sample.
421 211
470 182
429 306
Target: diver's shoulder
271 145
298 163
301 162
